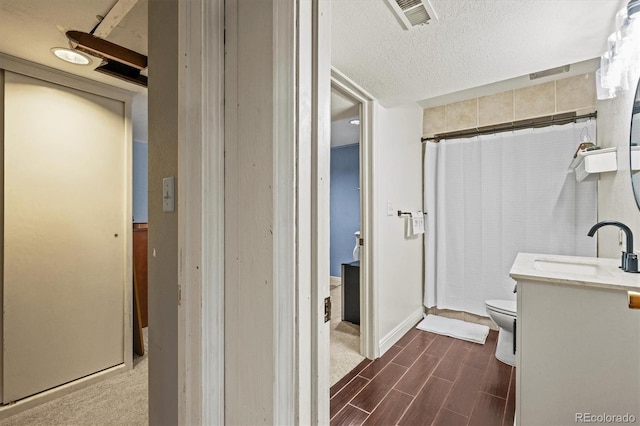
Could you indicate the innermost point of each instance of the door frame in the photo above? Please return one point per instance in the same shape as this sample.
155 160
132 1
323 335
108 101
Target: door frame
368 296
302 45
201 224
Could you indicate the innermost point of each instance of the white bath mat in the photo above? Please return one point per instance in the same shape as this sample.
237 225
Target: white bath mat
454 328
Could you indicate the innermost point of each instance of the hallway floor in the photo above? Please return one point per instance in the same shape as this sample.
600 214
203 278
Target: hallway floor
120 400
344 339
428 379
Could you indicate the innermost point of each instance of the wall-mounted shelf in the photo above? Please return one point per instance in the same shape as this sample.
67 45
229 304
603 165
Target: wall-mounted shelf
589 164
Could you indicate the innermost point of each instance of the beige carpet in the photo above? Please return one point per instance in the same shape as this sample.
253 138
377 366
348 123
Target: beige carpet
345 340
120 400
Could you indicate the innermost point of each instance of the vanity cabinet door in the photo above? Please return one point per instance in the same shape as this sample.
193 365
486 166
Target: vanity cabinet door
578 352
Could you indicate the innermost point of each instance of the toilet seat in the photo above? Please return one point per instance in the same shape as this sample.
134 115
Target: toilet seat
506 307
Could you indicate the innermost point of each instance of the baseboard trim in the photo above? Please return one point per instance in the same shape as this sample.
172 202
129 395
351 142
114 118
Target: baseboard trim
335 281
400 330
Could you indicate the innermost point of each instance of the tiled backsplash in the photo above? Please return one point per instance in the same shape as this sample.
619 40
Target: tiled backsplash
576 93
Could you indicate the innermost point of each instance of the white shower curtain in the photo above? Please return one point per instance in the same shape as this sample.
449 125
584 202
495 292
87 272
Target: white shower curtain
488 198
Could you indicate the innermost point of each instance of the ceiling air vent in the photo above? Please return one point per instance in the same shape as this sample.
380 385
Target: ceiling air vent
412 13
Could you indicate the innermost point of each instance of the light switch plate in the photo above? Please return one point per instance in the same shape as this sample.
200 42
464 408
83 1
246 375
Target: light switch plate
389 208
169 194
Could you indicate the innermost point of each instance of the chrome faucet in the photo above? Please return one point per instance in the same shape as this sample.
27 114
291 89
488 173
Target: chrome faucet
629 258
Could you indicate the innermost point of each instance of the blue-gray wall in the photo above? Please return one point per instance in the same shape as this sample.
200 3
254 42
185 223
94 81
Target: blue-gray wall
345 204
140 181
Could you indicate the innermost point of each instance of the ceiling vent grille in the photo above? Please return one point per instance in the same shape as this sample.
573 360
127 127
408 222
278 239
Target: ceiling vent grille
413 13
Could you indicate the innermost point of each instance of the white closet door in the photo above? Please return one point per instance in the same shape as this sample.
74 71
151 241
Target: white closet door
65 240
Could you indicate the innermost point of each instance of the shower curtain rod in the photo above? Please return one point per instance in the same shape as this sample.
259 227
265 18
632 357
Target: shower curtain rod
549 120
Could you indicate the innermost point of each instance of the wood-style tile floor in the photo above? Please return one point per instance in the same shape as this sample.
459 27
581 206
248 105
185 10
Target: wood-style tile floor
428 379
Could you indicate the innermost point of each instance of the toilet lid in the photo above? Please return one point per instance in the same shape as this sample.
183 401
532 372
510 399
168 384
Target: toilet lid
505 306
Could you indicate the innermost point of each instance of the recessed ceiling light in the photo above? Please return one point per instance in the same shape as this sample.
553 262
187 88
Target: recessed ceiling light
71 56
355 121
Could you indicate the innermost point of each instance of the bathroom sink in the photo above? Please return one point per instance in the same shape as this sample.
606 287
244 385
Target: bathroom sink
567 267
600 272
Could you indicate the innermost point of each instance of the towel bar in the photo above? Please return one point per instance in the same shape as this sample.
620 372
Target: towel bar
401 213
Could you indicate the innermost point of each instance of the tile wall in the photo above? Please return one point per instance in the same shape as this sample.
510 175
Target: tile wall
463 316
577 93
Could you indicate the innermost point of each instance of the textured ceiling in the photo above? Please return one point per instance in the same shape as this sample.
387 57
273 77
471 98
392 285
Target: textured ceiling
30 28
473 43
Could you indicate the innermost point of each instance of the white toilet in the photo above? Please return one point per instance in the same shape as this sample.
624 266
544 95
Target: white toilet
503 313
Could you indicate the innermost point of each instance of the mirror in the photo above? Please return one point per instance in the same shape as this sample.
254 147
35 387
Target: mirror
634 149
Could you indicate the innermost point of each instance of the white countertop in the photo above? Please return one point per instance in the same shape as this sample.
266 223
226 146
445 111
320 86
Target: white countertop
574 270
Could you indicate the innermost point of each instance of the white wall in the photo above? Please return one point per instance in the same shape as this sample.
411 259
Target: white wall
615 195
163 227
398 269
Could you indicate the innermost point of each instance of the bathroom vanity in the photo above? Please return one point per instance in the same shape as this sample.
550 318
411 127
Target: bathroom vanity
578 343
